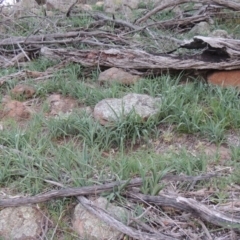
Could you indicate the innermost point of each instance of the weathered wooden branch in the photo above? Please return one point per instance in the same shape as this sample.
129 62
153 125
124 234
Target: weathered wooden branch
184 204
190 205
91 190
117 22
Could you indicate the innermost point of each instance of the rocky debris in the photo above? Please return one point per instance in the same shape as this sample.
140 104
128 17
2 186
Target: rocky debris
59 104
14 109
225 78
90 227
202 28
219 33
117 75
20 223
109 110
24 91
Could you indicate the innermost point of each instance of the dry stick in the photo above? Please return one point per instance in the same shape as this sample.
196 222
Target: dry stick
205 229
198 209
103 215
24 52
115 21
91 190
171 3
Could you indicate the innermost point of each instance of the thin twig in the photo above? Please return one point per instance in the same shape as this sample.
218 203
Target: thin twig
205 229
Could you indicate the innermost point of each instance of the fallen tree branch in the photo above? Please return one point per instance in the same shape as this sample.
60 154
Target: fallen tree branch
190 205
141 60
91 190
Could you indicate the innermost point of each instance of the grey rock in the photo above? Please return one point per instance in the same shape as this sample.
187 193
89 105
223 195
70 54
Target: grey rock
90 227
20 223
109 110
202 28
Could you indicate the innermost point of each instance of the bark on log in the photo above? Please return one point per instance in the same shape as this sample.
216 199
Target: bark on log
141 60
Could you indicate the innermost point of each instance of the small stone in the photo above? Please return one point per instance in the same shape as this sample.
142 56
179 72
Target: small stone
117 75
90 227
109 110
202 28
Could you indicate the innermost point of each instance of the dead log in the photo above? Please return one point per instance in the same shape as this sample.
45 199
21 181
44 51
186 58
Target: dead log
143 61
